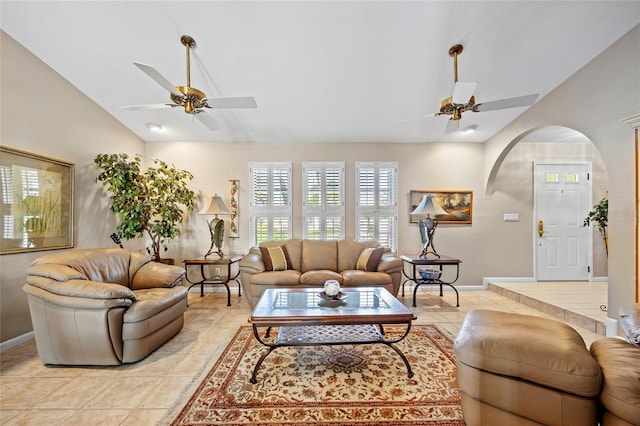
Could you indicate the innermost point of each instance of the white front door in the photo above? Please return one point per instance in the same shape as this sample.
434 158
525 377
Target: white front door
562 199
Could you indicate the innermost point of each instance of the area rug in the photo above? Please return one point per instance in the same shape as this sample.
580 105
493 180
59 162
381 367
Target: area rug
330 385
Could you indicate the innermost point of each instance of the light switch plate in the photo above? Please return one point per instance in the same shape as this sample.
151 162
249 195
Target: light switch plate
512 217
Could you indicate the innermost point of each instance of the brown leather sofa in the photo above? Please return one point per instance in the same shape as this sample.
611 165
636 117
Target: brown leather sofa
312 262
103 306
527 370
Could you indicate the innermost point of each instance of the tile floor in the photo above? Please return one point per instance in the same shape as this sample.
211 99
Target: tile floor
147 392
579 303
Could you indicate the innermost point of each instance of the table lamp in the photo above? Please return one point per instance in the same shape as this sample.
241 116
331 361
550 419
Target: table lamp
428 206
216 225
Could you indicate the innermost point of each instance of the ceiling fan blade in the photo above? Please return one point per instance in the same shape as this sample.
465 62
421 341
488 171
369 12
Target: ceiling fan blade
519 101
239 102
154 74
462 92
150 106
206 119
452 126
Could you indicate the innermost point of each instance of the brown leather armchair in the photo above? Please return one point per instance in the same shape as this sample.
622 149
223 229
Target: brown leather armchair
103 306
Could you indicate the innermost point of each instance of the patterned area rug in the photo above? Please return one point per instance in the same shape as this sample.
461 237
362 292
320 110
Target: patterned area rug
330 385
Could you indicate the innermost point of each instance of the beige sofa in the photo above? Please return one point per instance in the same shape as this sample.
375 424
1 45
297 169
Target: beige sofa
312 262
103 306
527 370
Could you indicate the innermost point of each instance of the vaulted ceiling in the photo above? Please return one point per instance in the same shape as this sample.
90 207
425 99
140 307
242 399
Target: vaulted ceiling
320 71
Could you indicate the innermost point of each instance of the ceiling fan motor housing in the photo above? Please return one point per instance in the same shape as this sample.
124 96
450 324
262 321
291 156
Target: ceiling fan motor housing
192 100
449 108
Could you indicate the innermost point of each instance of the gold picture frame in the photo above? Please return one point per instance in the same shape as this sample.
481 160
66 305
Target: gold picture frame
458 205
36 202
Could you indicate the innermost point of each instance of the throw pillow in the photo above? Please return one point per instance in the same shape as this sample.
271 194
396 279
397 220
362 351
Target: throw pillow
369 259
630 322
275 258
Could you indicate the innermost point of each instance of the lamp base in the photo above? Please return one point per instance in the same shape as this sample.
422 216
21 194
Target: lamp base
216 229
427 231
426 252
218 252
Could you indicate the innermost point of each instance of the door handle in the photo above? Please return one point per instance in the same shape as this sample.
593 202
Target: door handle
540 228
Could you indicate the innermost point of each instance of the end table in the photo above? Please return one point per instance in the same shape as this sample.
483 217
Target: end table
439 261
217 278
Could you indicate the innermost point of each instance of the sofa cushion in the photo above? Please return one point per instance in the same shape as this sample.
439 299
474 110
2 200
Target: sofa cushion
276 258
104 265
152 301
319 254
316 278
281 278
620 364
369 259
349 250
355 278
294 249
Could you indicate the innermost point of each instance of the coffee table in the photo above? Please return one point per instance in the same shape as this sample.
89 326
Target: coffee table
304 318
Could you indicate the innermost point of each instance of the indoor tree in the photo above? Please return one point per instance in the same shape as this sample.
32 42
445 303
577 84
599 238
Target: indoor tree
599 215
148 202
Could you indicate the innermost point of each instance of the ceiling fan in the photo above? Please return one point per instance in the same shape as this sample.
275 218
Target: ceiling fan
191 99
463 99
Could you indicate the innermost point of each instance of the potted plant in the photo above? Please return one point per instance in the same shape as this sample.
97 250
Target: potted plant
148 202
599 215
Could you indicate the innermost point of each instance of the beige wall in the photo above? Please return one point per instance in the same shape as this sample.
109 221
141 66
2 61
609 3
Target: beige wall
40 112
594 101
66 125
514 181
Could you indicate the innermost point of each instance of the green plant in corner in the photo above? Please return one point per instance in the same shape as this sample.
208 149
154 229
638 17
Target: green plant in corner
599 215
148 202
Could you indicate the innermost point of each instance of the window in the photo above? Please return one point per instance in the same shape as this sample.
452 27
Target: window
323 201
376 203
270 201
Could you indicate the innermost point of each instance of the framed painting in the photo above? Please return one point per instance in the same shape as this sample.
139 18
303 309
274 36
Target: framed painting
449 206
36 204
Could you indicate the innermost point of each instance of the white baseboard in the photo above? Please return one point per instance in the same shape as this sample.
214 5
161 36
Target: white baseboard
5 346
599 279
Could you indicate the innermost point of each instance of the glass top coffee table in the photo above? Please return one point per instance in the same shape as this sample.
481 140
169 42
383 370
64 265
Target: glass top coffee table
305 318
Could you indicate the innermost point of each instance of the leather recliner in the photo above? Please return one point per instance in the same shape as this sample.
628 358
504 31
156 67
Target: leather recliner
103 306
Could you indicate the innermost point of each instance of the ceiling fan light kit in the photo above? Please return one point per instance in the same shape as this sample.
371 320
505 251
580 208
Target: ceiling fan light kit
463 99
194 101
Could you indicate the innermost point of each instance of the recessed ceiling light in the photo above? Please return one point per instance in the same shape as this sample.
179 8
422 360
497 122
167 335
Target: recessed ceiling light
471 129
153 127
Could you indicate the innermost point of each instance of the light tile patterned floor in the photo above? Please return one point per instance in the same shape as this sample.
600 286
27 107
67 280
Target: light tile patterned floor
145 392
579 303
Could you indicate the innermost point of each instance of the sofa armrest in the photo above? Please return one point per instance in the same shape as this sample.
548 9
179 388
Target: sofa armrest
251 263
82 289
155 275
389 263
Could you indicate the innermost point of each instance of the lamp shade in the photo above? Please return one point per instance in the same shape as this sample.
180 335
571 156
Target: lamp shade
216 206
428 206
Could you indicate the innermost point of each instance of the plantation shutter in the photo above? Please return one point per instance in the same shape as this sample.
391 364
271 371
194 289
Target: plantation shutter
376 203
323 201
270 201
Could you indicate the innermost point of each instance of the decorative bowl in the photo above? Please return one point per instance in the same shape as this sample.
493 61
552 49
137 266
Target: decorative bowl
339 296
430 274
332 288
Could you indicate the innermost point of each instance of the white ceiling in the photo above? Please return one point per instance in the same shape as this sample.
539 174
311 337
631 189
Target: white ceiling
341 71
